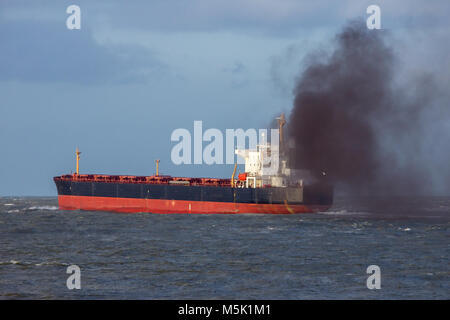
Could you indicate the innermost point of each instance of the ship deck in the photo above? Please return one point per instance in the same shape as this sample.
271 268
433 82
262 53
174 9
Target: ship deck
160 179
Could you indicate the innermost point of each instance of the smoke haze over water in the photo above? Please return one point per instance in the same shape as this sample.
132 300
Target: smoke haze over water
370 130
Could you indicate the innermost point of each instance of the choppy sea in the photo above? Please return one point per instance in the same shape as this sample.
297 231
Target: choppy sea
300 256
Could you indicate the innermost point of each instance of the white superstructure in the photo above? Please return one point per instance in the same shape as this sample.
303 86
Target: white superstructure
264 168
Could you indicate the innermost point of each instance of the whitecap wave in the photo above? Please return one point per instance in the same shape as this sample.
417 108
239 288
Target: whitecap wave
23 263
9 262
51 263
343 213
337 212
273 228
43 208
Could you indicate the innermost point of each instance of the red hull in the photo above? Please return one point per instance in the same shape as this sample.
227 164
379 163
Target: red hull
132 205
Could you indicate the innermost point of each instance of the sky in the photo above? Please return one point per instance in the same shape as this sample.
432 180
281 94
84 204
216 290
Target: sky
137 70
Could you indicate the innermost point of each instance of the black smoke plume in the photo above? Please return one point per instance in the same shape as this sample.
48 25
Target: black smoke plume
355 122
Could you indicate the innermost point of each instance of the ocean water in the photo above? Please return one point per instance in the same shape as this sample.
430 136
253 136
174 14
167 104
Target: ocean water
302 256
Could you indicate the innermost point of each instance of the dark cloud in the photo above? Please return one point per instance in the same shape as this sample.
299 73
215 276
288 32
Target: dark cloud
48 52
268 17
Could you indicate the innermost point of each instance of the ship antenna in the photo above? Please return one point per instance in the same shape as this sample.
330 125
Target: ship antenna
77 152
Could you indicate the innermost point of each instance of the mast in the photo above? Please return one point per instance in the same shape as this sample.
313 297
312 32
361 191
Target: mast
77 152
157 167
281 122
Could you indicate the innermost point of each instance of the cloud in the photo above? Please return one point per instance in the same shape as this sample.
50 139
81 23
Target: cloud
236 68
280 18
46 51
267 17
238 72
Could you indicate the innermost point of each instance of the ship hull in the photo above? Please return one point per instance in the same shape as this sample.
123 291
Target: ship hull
133 205
92 195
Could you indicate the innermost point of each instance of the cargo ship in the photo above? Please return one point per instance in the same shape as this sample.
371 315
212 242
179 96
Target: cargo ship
287 191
